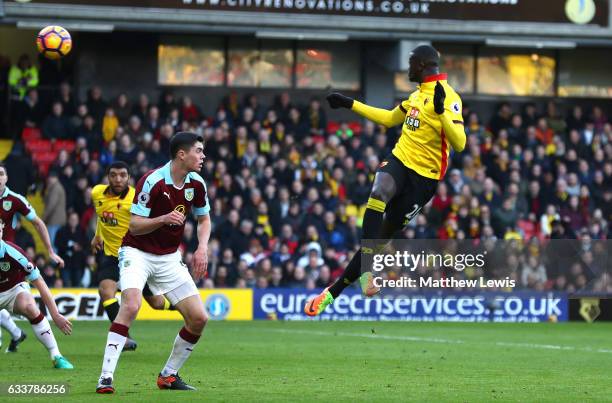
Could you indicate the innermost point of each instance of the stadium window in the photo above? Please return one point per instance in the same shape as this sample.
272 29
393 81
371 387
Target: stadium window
458 62
243 59
276 65
580 79
527 73
252 63
202 62
403 86
323 65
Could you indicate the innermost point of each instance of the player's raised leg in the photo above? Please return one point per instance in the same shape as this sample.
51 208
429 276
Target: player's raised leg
131 299
188 303
17 335
383 190
26 306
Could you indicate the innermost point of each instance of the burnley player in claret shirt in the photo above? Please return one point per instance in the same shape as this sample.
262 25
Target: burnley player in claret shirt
16 272
149 255
14 206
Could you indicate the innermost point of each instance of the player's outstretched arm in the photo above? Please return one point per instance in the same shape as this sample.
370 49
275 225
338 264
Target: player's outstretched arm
381 116
140 225
200 257
41 228
62 323
453 128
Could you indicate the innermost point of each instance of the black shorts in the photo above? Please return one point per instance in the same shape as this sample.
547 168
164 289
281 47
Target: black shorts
108 269
413 190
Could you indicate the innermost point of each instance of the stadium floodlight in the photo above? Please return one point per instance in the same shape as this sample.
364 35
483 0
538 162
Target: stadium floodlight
524 43
319 36
71 26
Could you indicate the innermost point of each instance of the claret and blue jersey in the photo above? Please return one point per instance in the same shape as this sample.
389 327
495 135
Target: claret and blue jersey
15 267
13 205
156 195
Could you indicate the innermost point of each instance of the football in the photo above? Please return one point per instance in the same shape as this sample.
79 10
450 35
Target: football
54 42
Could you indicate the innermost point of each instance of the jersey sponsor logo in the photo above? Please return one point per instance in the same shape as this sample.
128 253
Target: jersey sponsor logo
180 208
143 198
6 205
189 194
108 218
5 266
412 119
217 306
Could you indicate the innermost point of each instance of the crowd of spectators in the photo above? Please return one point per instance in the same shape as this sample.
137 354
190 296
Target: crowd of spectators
287 193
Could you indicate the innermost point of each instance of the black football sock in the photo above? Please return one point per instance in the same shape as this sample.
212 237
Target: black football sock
111 306
372 223
373 219
351 273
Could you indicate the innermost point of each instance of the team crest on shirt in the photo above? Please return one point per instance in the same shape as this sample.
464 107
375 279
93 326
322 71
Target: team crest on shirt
189 194
5 266
6 205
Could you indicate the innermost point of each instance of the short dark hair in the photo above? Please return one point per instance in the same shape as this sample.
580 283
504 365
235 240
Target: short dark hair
118 165
183 141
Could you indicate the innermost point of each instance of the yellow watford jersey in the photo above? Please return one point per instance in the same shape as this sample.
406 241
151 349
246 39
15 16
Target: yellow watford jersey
424 145
113 216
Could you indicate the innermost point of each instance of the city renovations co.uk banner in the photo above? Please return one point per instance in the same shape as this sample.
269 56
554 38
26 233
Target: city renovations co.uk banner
535 11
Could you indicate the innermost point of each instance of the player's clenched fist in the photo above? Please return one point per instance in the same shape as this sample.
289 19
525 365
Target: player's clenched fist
439 98
173 218
63 324
337 100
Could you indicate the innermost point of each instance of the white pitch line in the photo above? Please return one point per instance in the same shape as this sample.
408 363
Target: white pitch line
443 341
369 336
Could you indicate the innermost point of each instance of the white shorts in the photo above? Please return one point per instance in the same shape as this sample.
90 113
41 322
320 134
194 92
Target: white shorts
163 273
8 297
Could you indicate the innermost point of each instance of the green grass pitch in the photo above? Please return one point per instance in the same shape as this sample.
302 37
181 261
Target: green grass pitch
337 361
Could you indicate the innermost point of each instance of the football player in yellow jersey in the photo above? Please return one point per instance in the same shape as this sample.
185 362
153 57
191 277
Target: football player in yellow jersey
408 177
112 203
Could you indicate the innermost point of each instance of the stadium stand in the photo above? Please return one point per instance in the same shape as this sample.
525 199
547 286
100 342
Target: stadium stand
287 197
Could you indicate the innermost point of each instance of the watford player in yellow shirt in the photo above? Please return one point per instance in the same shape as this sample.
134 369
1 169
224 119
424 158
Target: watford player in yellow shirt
407 178
112 203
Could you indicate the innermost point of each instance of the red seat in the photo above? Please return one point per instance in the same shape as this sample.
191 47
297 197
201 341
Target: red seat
68 145
45 157
355 127
43 168
30 133
38 146
332 127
